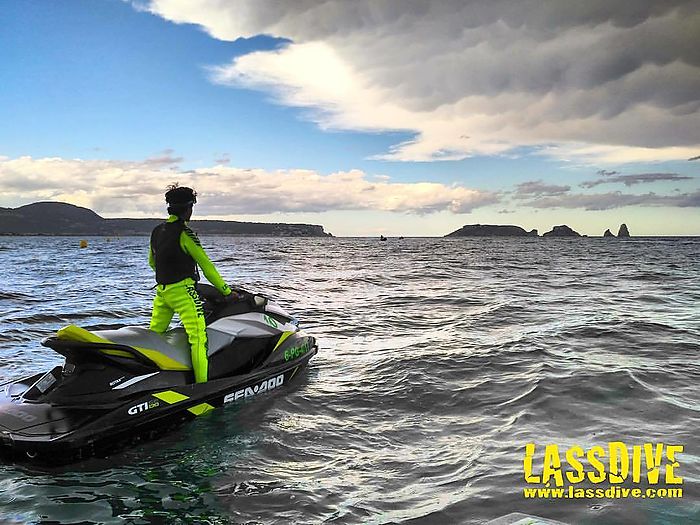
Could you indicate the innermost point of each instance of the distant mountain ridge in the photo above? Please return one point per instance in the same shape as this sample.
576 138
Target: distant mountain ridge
60 218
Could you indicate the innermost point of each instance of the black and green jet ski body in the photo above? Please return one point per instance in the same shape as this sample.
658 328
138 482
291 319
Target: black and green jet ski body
117 386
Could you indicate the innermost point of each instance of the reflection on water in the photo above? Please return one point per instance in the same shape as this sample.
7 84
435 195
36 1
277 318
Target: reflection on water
440 359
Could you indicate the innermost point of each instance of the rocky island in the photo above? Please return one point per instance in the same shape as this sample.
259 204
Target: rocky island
623 232
60 218
495 230
561 231
491 230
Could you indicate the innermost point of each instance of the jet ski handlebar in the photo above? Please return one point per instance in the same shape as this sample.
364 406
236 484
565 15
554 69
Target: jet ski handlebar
210 294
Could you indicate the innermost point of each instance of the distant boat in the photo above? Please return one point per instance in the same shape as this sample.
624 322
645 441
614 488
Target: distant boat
382 238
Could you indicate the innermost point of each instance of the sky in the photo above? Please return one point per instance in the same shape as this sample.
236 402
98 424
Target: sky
393 117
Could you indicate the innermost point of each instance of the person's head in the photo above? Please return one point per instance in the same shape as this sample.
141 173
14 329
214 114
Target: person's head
180 200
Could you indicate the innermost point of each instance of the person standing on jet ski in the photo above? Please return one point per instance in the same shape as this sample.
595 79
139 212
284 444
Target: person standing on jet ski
174 255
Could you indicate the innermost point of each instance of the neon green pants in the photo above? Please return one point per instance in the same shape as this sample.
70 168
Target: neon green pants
181 298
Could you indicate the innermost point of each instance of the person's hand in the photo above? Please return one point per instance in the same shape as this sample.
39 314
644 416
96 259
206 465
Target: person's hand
234 297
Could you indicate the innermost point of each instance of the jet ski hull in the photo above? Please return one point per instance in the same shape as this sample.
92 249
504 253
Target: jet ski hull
48 433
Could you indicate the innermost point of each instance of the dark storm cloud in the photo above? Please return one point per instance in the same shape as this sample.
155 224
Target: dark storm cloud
531 47
612 73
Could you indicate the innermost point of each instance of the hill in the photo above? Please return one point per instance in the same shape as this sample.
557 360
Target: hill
60 218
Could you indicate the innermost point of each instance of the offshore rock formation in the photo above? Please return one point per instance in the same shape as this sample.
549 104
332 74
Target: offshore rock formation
623 231
491 230
608 233
561 231
60 218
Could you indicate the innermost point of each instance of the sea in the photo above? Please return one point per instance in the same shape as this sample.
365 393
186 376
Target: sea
440 360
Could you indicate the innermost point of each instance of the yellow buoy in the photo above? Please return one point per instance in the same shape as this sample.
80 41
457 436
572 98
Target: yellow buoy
83 243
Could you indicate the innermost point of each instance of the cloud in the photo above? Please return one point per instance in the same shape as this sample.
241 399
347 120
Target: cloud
137 188
595 81
165 159
538 187
538 194
611 200
639 178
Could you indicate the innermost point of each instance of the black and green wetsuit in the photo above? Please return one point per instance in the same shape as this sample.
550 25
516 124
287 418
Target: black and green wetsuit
174 255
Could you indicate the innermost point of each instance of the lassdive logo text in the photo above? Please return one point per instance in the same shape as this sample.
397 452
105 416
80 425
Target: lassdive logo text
577 472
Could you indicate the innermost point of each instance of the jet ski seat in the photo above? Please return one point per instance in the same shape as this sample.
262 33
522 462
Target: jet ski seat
170 351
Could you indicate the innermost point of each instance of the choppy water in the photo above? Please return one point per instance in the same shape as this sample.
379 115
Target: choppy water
440 359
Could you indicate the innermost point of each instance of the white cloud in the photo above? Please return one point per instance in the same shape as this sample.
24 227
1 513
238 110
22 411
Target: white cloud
137 188
604 82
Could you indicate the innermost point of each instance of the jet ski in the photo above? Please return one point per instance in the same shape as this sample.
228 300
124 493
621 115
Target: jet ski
123 385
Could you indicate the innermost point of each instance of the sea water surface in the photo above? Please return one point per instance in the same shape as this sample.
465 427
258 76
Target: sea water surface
440 359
